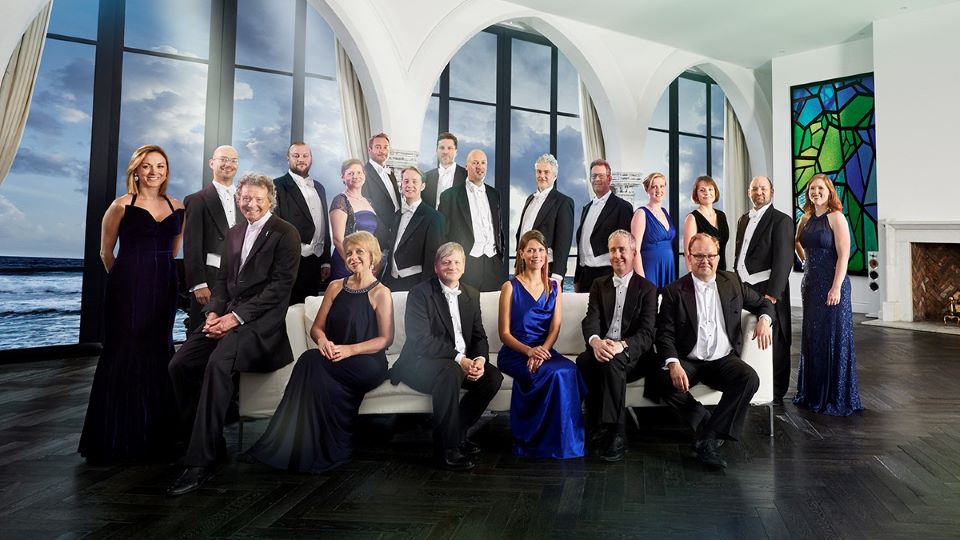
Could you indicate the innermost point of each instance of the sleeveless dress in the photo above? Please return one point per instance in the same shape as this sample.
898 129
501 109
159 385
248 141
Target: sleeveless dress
364 220
827 377
545 415
656 250
132 413
312 430
721 232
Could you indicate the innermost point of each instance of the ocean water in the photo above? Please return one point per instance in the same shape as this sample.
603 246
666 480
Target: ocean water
40 302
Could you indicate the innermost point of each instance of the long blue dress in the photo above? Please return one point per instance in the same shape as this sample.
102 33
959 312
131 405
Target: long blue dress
656 251
364 220
545 414
827 379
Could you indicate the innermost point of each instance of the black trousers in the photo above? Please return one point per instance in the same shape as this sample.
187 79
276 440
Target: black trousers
308 281
590 273
607 388
443 378
484 273
730 375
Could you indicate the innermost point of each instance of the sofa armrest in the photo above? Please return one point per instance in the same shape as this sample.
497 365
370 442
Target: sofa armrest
296 332
760 360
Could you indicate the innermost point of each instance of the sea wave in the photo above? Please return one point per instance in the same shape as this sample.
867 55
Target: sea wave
38 285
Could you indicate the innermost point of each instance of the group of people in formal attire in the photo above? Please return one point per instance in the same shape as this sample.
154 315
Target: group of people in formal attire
253 249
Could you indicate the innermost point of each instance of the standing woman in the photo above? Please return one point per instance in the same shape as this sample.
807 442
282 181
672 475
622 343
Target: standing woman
545 415
652 227
132 414
350 212
827 379
707 219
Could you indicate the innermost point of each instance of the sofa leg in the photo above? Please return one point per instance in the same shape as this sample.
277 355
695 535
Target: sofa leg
240 434
633 415
770 412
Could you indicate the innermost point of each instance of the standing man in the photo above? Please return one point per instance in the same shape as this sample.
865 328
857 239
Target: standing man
419 233
618 329
302 202
244 328
448 174
210 213
764 259
380 188
550 212
699 339
600 217
446 350
472 213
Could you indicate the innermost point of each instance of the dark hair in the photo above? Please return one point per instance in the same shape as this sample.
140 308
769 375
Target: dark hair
706 180
520 266
447 135
380 135
603 163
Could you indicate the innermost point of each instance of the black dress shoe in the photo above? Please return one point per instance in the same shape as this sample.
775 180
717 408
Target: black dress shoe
453 460
468 448
190 480
615 450
599 437
708 454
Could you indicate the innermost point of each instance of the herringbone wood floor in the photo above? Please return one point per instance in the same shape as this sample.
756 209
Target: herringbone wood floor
891 472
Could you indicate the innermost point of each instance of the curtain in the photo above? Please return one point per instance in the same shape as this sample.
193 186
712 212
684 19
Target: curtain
355 120
736 170
16 90
593 147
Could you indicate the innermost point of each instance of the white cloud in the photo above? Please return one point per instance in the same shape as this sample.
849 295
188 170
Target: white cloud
73 116
16 224
242 91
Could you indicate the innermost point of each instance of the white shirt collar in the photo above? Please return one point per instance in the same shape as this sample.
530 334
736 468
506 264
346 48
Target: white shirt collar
603 199
758 212
413 206
542 194
377 167
482 188
299 179
445 170
624 278
229 190
447 290
258 224
702 285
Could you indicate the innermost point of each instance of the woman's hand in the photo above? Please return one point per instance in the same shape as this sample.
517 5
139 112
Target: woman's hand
536 356
833 296
329 350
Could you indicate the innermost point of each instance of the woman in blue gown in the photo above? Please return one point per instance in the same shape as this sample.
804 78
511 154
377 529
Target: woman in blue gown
349 212
651 225
132 413
545 415
827 377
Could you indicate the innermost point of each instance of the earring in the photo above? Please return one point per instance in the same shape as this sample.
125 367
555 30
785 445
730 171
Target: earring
136 177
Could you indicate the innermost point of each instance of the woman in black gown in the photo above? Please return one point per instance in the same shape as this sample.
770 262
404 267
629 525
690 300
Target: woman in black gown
312 430
131 415
707 219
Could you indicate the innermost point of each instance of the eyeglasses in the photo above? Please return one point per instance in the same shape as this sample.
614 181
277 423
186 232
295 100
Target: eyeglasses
594 176
223 159
704 256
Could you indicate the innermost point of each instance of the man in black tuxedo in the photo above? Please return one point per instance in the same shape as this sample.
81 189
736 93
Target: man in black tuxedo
244 328
210 213
419 233
380 188
550 212
618 329
600 217
448 174
472 214
699 340
302 202
764 259
446 350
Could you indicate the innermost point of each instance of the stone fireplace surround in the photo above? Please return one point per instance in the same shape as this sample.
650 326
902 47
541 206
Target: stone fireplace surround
896 261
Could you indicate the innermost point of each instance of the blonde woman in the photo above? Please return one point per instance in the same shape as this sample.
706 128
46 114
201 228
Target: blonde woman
652 227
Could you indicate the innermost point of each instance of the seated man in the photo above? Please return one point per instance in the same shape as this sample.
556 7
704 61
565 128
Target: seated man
244 328
446 350
621 315
699 339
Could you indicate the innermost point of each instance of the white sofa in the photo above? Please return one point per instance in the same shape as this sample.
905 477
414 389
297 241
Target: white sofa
260 393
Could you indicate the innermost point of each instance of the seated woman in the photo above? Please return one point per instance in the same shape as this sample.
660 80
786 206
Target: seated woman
545 414
349 212
312 430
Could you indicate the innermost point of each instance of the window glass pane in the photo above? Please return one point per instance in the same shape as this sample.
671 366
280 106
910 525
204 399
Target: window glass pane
261 121
572 179
473 70
530 75
76 18
529 139
175 27
568 86
716 170
693 163
656 157
323 132
717 113
692 103
265 33
163 103
475 127
428 137
661 115
43 203
321 54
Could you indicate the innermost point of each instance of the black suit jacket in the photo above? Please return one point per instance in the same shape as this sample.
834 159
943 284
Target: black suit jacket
455 208
616 214
430 328
205 232
677 321
771 248
375 192
259 293
432 181
421 238
555 221
292 208
639 313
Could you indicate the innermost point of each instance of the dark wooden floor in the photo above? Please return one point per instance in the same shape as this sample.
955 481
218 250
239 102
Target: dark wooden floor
891 472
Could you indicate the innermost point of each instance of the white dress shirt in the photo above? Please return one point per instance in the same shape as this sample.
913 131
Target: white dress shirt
458 342
406 214
315 247
484 241
620 285
586 254
755 215
712 340
250 238
384 173
445 179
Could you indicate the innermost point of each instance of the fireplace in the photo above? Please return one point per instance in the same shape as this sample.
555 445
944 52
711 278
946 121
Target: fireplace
936 277
920 268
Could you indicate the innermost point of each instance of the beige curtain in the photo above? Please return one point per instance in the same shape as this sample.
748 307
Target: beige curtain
736 172
16 90
593 147
356 121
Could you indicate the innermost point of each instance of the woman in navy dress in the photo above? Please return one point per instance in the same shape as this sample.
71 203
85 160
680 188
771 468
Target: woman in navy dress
312 430
349 212
131 415
651 224
827 378
707 219
545 414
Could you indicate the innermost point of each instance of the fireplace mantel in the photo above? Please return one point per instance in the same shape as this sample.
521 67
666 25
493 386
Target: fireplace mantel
895 240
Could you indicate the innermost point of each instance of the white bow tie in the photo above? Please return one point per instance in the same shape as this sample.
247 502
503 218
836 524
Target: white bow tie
618 281
476 189
708 286
405 208
448 292
537 195
753 213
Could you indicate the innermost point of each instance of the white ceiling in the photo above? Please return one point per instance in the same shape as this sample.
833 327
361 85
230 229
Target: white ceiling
744 32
